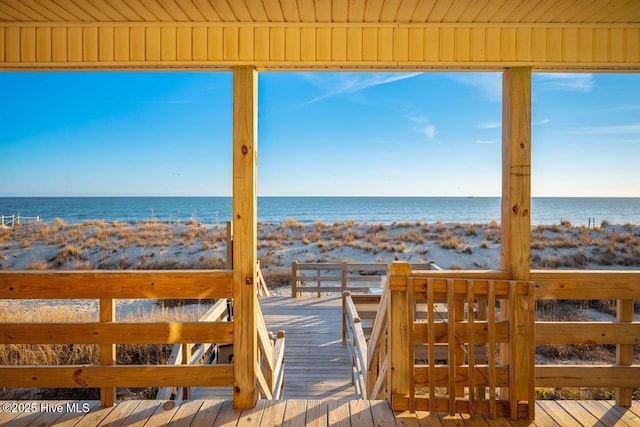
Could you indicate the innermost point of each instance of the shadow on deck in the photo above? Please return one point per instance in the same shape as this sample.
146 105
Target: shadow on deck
317 366
220 413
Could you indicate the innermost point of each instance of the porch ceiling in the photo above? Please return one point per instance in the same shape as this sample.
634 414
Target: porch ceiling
559 35
325 11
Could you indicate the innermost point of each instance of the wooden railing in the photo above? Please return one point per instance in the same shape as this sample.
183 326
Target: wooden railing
340 277
624 332
270 376
486 311
196 353
464 384
14 220
107 332
357 346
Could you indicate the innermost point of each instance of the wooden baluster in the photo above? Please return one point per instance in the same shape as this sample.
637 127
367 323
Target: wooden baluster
294 279
471 350
624 352
107 351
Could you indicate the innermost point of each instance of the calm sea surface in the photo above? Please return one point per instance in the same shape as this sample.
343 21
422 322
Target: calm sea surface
217 210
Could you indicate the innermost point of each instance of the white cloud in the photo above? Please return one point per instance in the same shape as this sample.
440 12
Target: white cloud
572 82
540 122
429 131
608 130
418 119
488 83
345 83
483 141
489 125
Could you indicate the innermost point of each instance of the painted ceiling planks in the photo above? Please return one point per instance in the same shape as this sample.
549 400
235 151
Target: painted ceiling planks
108 12
324 11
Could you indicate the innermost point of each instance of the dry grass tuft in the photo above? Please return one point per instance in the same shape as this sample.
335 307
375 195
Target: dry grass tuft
449 241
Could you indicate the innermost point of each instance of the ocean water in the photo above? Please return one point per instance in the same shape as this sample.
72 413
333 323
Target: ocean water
217 210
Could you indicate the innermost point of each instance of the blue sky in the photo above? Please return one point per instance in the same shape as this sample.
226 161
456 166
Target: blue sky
405 134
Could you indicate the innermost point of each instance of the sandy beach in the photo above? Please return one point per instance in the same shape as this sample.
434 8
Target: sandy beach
192 245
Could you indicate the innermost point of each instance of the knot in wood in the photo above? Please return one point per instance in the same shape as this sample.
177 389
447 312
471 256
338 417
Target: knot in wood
245 150
515 209
77 378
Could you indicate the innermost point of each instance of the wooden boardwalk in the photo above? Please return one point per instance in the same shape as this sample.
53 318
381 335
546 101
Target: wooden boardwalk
316 364
356 413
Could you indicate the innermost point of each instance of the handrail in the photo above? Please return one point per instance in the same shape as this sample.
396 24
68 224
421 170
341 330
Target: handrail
107 286
263 291
270 375
357 346
377 357
623 332
193 354
347 276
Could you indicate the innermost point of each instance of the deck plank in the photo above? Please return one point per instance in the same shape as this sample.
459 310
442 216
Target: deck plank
338 413
71 418
360 413
273 414
317 412
295 413
207 413
558 413
185 414
606 417
316 364
626 415
227 416
142 413
162 416
382 414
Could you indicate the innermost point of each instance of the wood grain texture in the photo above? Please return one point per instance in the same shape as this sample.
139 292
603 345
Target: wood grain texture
332 45
117 376
244 207
115 284
116 333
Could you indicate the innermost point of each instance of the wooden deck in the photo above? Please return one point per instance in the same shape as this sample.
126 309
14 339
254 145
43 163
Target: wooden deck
220 413
317 365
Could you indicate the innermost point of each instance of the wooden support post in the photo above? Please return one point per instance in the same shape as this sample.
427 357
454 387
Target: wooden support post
516 173
624 352
107 351
399 342
245 139
516 222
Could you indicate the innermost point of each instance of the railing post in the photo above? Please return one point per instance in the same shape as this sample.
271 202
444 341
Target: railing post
107 351
294 279
229 245
521 348
624 352
399 342
343 275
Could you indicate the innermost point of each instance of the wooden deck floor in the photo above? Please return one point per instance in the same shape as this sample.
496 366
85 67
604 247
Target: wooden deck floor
220 413
316 364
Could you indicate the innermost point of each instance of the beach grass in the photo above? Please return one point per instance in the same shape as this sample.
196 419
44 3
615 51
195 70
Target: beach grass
154 245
